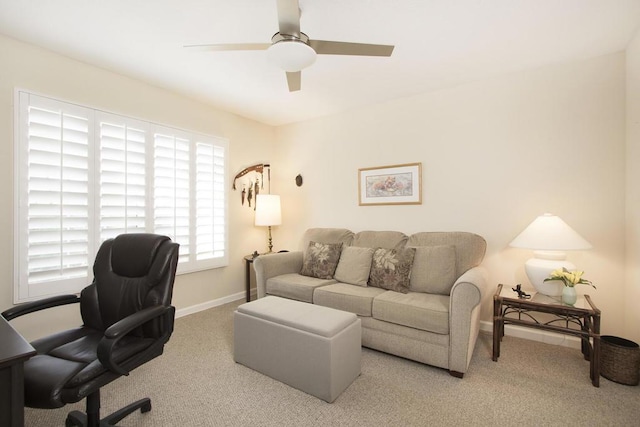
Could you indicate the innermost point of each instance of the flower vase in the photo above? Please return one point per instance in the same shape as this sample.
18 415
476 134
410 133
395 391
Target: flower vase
569 295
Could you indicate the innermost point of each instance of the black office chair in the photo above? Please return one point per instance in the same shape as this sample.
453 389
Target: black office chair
128 317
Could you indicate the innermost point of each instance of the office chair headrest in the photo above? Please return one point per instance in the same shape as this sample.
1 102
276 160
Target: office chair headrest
133 254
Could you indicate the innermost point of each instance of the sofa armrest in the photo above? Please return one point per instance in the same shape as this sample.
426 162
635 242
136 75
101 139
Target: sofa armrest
464 317
272 265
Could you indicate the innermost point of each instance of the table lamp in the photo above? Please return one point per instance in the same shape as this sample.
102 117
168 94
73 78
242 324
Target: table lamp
549 237
268 213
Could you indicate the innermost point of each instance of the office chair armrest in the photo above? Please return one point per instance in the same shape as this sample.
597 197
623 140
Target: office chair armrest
30 307
120 329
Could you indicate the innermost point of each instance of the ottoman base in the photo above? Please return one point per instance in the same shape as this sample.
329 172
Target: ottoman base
268 339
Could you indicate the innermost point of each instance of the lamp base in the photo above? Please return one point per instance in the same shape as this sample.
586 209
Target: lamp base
541 266
270 245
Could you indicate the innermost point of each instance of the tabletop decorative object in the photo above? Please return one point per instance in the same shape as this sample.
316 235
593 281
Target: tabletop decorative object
570 280
521 294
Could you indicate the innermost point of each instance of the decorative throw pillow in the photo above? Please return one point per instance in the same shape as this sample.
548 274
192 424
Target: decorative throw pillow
354 265
321 260
391 269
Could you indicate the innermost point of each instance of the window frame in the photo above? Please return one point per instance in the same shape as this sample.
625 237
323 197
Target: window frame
25 291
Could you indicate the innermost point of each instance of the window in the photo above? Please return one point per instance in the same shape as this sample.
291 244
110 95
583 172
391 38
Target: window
122 174
83 176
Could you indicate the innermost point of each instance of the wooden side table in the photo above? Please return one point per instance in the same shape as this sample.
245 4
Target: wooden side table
248 260
509 309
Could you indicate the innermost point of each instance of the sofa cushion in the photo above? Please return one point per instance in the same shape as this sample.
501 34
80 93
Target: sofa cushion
391 269
295 286
342 296
354 265
434 269
427 312
380 239
321 259
327 235
470 248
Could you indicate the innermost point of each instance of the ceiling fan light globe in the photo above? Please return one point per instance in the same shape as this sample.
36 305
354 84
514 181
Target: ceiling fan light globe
291 55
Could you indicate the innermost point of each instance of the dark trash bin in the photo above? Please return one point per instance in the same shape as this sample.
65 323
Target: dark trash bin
619 360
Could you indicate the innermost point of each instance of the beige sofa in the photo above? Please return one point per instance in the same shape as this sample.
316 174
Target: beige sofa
432 315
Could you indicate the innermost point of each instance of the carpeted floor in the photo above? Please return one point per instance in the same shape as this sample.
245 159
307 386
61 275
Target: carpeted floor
197 383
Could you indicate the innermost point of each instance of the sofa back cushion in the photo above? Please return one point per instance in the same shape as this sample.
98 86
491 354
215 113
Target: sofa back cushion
354 265
327 235
380 239
470 248
434 269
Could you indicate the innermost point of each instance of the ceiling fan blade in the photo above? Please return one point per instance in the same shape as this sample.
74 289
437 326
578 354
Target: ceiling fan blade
289 17
293 80
229 46
324 47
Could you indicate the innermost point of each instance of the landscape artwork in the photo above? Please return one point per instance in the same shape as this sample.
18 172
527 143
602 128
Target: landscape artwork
397 184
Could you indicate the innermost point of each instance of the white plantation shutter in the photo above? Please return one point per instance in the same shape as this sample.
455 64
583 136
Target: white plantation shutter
171 190
211 227
83 176
53 162
190 197
122 177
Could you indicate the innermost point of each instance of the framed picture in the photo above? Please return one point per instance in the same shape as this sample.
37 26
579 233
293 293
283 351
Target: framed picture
390 185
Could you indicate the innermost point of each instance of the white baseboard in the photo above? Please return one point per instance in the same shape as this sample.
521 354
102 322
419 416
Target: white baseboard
209 304
534 335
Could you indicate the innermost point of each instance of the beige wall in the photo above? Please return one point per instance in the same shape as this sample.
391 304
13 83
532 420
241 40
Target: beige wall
632 296
27 67
495 154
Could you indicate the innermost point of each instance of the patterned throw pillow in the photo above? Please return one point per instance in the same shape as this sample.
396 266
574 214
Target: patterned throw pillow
321 260
391 269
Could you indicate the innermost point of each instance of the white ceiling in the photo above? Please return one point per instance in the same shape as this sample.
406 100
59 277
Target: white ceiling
438 43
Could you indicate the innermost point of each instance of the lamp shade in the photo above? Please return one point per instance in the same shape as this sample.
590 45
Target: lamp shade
268 210
291 55
549 233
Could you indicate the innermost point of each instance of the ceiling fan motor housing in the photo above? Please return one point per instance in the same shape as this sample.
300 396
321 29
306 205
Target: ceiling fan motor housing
291 53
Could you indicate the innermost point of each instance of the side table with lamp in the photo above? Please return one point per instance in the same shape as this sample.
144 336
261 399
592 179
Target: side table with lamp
268 214
549 237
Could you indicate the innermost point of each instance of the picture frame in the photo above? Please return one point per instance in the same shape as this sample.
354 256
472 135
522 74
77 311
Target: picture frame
390 185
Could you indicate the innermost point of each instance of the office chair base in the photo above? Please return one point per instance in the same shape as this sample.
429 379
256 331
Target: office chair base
92 417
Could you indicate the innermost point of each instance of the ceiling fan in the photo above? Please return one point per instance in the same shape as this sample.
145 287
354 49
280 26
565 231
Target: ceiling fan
292 50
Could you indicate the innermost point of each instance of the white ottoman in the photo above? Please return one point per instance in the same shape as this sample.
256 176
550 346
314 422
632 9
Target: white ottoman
312 348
